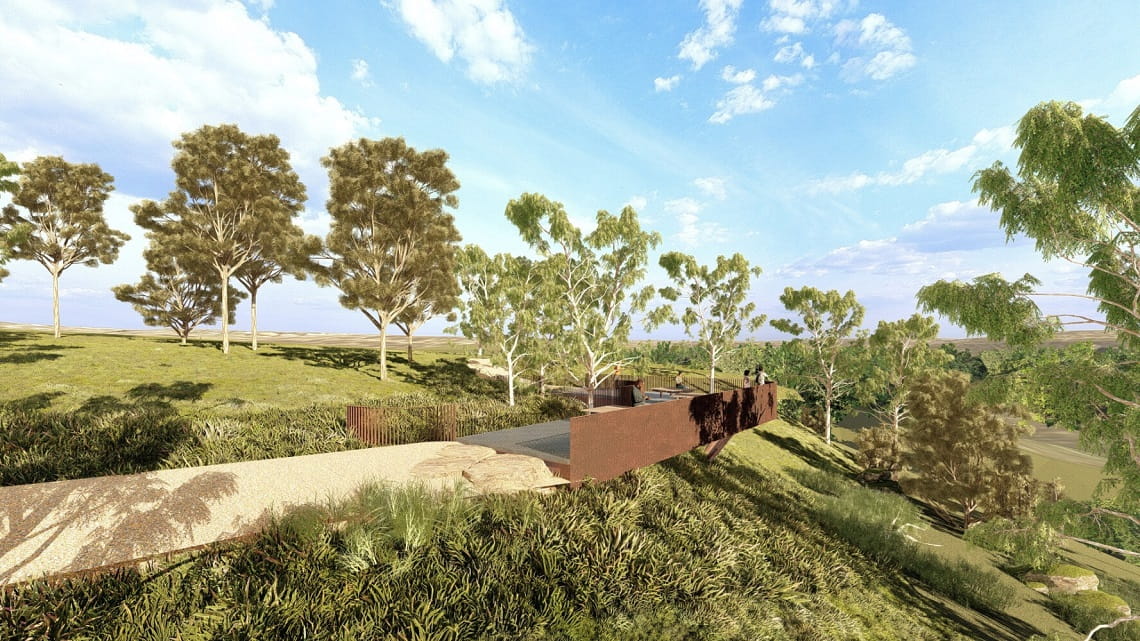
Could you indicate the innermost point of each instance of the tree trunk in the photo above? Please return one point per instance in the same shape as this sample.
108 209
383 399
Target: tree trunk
225 314
410 357
827 418
510 380
55 301
542 379
384 351
253 316
712 377
183 337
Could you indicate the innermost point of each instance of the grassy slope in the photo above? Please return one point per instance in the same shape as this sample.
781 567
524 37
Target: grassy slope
41 371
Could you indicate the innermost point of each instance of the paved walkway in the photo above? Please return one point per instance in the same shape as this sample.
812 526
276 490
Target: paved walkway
72 526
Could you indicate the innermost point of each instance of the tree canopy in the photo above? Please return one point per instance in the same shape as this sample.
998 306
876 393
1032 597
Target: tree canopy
593 277
63 223
8 170
715 313
389 231
233 193
827 319
1075 194
900 352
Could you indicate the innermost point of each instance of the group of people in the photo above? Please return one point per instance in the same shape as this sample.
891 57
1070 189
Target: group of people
759 378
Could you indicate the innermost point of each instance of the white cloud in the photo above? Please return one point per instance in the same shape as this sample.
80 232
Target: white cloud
699 47
730 74
692 230
774 82
637 202
792 16
712 186
482 33
360 72
174 69
984 144
795 53
886 47
784 24
744 99
666 84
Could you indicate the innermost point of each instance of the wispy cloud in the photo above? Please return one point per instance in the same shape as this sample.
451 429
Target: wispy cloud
935 161
360 72
795 53
793 16
693 231
666 84
886 49
713 186
699 47
737 77
743 99
482 33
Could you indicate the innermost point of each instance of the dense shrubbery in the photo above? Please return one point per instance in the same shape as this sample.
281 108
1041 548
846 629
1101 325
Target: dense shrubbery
877 522
1026 544
685 551
1086 610
1077 518
43 446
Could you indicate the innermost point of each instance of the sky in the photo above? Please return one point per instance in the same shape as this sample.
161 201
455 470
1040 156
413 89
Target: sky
831 142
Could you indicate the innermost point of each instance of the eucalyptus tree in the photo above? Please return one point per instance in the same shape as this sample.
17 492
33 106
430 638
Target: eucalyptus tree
63 224
8 185
501 307
592 277
901 352
1075 194
436 294
827 319
389 230
175 292
234 192
715 314
283 251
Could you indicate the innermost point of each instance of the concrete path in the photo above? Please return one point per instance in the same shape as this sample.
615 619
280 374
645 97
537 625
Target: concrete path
82 524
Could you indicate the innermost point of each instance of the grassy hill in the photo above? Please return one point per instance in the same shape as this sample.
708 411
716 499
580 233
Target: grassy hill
772 540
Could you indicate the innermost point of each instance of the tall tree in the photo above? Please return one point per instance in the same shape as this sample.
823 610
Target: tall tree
389 226
501 307
171 295
962 454
284 251
233 194
715 314
828 318
437 294
900 352
593 277
64 223
1075 195
8 170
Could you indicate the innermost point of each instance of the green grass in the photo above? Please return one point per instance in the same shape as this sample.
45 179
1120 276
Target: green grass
66 373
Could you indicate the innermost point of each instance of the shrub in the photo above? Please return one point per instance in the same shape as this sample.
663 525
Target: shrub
1026 544
1086 610
879 450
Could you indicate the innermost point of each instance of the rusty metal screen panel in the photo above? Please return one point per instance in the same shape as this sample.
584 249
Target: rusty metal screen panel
603 446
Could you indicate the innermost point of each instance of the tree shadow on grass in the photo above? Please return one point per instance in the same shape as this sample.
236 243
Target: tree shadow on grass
451 378
23 354
827 461
154 395
343 358
40 401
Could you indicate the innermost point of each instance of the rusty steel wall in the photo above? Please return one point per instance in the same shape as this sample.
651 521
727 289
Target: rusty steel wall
603 446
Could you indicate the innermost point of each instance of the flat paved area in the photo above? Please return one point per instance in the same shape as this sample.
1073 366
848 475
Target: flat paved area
547 441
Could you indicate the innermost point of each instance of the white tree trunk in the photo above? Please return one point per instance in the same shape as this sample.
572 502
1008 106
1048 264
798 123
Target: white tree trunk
384 349
55 301
226 314
510 381
253 316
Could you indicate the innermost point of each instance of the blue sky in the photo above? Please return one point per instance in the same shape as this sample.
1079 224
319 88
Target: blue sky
830 142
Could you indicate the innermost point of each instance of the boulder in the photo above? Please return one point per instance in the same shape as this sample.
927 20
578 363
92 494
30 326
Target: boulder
511 473
1066 579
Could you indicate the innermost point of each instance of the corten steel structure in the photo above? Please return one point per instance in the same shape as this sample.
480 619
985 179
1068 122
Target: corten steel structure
603 446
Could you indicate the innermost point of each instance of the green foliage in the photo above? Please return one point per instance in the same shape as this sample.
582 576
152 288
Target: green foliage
964 456
8 238
685 354
964 361
875 522
593 277
1083 519
899 352
502 309
234 200
389 233
1090 608
64 224
1026 544
715 314
170 295
827 318
879 450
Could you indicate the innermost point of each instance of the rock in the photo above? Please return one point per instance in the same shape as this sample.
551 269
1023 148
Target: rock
1066 579
510 473
451 461
1037 586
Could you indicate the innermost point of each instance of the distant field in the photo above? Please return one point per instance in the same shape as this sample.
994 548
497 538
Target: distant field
84 368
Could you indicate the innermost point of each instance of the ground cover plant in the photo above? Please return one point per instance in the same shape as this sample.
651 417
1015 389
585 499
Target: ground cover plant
685 550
